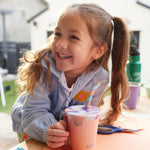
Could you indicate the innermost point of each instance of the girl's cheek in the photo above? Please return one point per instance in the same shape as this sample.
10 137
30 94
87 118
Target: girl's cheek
53 51
53 46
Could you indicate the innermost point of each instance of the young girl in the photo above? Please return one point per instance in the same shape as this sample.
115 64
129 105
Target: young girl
65 71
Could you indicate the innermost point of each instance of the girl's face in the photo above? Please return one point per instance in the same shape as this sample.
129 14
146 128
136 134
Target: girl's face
72 47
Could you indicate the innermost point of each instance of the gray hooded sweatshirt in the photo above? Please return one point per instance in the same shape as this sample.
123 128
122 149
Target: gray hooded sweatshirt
34 114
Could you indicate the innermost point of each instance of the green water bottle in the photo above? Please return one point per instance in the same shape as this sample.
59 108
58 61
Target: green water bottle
133 67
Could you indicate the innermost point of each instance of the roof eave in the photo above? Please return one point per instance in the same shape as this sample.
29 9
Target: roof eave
38 14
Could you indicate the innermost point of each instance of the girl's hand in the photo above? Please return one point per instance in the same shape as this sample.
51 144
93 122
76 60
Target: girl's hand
57 135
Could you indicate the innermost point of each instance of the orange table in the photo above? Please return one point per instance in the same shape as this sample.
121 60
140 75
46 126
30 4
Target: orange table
115 141
127 141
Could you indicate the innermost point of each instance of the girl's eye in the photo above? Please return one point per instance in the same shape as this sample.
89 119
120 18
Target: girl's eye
57 34
74 37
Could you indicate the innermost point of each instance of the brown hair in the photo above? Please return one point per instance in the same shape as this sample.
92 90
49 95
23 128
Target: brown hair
30 70
99 24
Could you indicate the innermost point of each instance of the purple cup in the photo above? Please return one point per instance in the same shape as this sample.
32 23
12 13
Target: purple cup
132 97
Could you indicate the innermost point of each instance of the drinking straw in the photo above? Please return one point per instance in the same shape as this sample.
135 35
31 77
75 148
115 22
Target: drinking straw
94 88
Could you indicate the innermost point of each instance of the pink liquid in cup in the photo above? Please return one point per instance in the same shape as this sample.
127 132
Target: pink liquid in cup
83 126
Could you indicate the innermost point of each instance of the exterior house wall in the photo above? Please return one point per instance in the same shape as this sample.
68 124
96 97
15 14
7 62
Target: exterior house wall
17 28
135 15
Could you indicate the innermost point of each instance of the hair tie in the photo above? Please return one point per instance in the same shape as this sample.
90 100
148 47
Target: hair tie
112 34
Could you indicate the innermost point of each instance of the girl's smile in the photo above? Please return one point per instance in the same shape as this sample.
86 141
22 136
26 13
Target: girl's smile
62 56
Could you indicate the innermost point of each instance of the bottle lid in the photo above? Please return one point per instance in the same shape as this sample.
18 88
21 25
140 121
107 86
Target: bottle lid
134 51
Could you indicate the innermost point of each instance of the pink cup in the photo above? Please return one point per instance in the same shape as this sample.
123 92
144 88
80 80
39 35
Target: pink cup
132 97
83 126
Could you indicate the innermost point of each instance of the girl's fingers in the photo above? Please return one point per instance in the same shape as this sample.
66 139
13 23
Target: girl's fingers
57 138
55 145
57 132
57 135
62 125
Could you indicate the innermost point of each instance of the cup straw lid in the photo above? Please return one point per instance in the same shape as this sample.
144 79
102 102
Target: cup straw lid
81 110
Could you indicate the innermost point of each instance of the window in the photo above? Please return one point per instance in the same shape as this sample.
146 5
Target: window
134 38
49 33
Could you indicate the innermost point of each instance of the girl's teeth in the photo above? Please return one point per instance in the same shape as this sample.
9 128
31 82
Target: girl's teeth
62 56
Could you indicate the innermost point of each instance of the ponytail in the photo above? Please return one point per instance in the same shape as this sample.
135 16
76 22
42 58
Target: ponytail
119 82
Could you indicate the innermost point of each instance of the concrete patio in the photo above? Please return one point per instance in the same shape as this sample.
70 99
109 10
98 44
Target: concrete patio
8 138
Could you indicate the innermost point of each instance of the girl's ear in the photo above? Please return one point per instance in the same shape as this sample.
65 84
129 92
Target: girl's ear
100 51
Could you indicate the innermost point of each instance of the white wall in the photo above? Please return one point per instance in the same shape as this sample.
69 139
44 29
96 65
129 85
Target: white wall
17 28
135 15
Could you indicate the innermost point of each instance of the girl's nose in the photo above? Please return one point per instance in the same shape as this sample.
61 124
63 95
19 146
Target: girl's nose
62 43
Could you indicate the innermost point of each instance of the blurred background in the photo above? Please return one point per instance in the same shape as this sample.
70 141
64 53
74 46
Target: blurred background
26 25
